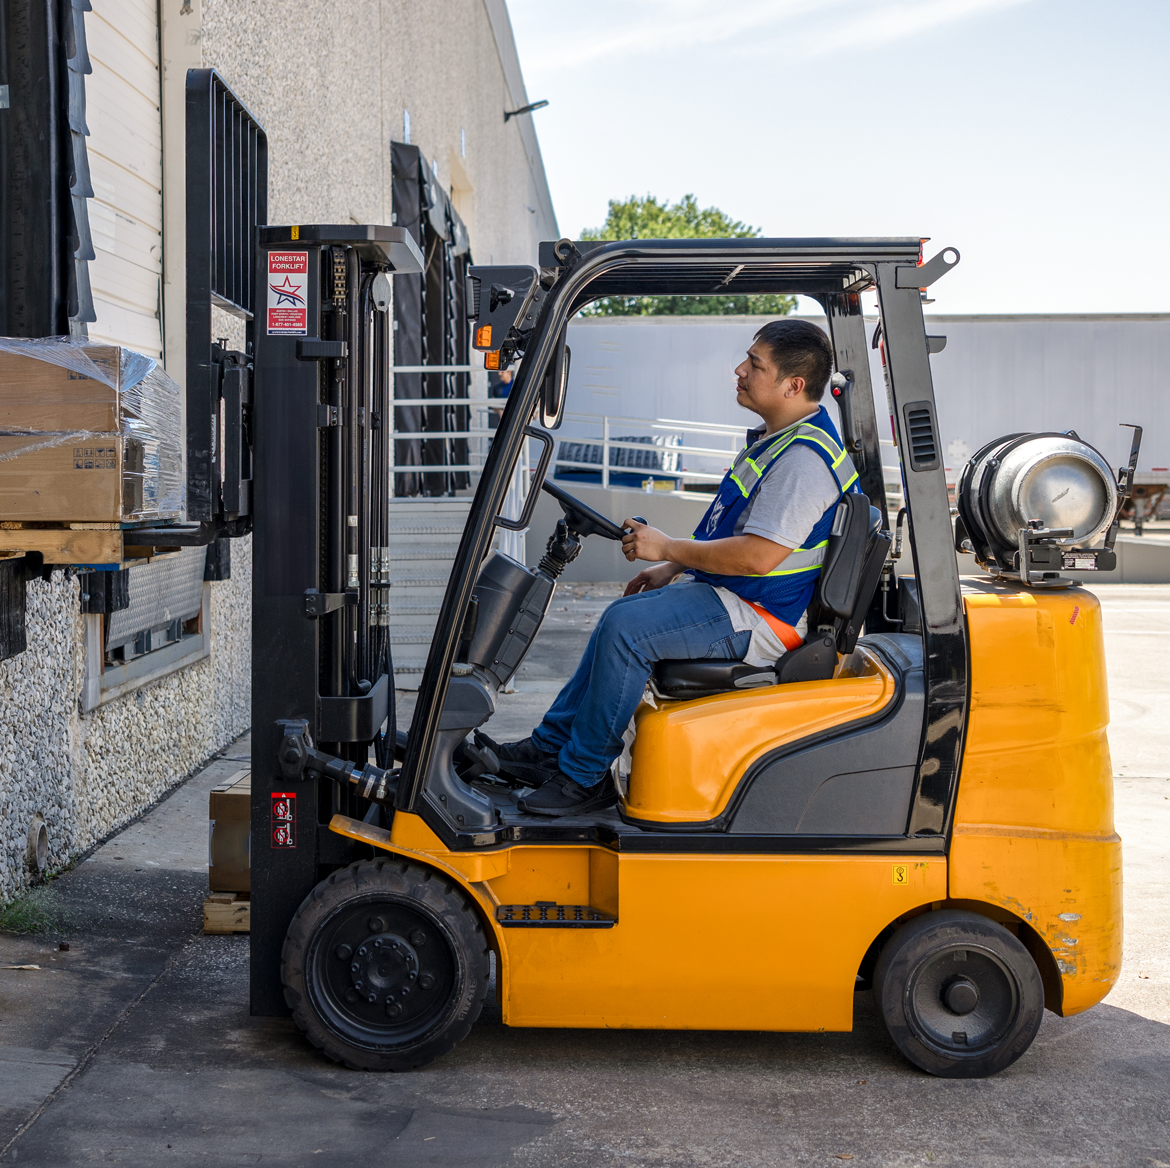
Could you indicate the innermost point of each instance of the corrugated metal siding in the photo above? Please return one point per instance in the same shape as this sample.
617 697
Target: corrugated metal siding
125 152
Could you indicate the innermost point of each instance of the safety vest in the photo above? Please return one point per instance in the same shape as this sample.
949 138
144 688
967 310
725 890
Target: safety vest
787 591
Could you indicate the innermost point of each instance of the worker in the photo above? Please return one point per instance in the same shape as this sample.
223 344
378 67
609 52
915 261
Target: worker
744 579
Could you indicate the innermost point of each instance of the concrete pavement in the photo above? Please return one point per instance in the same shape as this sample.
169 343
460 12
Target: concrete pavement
135 1045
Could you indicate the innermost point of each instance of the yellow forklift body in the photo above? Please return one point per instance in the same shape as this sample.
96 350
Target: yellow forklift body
1033 838
1033 831
792 930
692 755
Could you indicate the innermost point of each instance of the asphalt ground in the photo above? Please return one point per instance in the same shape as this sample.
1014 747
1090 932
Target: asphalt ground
135 1046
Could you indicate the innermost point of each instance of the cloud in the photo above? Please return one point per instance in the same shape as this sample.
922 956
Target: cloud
557 37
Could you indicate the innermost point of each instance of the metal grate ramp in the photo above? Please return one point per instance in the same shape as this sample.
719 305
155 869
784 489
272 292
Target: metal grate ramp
423 538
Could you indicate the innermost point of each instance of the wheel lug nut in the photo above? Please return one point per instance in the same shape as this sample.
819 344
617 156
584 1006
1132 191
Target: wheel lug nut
412 975
418 937
405 990
351 995
355 968
394 1010
344 952
371 998
425 982
375 924
378 943
362 951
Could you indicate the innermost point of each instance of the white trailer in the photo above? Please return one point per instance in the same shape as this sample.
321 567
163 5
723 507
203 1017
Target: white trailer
997 374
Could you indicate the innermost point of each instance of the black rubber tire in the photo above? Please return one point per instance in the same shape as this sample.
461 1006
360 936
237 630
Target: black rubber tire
385 965
920 964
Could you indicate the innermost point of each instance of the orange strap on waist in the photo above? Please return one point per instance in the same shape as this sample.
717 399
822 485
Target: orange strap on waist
789 637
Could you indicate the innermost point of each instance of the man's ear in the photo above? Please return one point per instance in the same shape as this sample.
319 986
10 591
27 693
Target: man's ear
795 387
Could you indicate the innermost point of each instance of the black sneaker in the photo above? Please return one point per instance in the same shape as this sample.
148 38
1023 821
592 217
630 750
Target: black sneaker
561 795
522 760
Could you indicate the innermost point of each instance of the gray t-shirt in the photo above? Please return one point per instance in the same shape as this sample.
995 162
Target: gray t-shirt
785 507
792 497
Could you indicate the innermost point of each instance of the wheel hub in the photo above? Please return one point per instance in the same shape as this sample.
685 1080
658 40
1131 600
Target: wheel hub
382 968
961 996
385 968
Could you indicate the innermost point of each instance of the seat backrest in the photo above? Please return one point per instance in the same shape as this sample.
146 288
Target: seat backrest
856 551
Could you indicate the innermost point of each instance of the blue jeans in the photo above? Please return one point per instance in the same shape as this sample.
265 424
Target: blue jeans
586 722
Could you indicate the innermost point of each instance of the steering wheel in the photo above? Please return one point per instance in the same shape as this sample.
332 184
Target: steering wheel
581 518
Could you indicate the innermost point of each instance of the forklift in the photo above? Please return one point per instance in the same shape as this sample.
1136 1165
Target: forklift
917 800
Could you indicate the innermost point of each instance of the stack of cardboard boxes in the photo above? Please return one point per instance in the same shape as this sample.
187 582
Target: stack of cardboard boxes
90 445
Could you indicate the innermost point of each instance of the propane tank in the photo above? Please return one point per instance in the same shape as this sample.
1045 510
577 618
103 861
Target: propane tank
1055 482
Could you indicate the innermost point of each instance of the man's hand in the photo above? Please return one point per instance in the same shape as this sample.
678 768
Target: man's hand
736 555
643 542
650 578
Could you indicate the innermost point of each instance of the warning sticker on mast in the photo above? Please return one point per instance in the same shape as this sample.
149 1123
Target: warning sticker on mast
288 293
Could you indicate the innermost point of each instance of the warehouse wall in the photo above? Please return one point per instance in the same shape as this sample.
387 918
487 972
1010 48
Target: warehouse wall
330 81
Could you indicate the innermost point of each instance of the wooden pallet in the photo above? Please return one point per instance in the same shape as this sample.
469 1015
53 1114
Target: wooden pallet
78 543
227 912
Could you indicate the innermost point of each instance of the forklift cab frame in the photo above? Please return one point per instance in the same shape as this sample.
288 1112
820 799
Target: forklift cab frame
834 272
957 910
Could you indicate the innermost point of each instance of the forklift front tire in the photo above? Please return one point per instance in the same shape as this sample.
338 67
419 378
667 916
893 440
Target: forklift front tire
385 965
960 995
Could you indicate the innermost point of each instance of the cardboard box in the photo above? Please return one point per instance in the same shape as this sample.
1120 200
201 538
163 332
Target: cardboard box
36 395
88 433
229 835
80 480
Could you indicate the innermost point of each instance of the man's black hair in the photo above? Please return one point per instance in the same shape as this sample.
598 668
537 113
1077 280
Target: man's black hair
800 349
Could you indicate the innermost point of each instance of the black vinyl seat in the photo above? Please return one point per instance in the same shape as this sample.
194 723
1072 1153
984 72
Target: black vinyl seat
856 550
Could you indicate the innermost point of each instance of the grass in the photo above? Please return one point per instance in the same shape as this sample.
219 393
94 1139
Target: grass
34 912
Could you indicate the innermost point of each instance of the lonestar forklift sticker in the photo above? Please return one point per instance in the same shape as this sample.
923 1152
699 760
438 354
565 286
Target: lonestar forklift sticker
288 293
284 819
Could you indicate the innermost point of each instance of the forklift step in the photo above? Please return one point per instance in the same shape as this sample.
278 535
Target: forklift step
549 915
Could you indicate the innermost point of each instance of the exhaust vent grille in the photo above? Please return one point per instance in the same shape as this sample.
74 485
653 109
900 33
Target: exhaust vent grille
921 435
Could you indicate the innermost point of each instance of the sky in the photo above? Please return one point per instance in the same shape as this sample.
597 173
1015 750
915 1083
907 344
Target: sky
1031 135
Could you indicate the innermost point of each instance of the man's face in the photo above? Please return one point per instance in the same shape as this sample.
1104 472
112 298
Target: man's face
758 386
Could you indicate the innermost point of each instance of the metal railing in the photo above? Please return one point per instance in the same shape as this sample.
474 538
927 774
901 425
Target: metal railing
661 428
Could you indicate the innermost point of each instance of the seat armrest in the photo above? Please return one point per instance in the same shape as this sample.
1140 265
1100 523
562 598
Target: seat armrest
815 660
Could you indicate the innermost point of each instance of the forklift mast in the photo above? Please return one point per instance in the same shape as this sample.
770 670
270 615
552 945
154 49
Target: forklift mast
320 629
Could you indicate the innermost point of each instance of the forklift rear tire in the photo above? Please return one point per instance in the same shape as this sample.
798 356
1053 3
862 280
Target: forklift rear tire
960 995
385 965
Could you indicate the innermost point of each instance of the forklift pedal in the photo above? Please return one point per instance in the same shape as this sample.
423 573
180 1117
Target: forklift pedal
553 916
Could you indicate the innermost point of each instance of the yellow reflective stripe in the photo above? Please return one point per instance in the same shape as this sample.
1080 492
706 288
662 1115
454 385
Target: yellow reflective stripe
811 559
852 479
745 491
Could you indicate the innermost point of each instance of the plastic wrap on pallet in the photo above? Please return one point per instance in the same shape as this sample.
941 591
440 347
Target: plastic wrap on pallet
121 399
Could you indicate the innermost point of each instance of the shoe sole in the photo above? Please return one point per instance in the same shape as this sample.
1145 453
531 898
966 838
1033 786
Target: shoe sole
598 803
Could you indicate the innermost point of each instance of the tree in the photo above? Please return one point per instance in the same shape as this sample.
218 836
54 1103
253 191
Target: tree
647 218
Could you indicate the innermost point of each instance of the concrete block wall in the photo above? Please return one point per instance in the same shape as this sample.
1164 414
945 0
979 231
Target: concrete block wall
87 774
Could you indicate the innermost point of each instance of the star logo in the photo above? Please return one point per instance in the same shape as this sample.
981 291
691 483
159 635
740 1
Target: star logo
717 509
287 293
